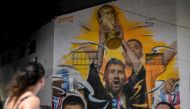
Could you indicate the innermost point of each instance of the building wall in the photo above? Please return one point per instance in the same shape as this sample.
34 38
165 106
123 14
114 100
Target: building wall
183 35
45 38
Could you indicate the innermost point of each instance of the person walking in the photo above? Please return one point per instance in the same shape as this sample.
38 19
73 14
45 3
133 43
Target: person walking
24 88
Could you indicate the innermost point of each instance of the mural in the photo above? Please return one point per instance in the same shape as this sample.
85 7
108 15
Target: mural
103 60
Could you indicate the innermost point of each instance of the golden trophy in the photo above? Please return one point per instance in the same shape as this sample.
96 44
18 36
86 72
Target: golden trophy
112 40
110 27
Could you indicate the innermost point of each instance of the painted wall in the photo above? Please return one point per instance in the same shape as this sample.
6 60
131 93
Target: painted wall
82 44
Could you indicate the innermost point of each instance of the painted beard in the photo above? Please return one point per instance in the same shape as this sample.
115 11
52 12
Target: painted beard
115 86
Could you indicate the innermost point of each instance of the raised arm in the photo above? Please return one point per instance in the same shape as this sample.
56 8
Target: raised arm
100 54
131 59
170 53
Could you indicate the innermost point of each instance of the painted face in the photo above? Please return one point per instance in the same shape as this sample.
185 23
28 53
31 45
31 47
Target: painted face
136 48
162 106
116 78
77 106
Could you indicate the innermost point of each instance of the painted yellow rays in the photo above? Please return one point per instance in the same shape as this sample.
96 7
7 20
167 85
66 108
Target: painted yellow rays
144 34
